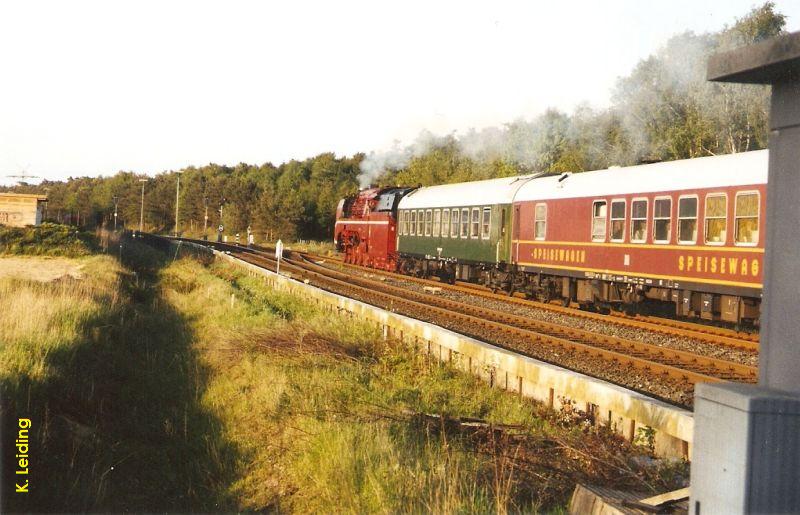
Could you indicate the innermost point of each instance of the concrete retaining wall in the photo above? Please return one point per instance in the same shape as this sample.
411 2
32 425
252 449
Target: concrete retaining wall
628 412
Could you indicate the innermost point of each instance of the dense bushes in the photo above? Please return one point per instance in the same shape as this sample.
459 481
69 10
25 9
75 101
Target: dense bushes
46 240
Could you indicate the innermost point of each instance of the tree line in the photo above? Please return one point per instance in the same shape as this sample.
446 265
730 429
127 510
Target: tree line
294 200
663 110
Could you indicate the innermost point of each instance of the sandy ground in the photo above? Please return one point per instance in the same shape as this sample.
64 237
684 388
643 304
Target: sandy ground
43 269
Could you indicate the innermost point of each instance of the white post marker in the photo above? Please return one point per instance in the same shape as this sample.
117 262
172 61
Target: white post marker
279 255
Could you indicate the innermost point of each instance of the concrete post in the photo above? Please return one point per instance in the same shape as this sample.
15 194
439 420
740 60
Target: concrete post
779 354
747 438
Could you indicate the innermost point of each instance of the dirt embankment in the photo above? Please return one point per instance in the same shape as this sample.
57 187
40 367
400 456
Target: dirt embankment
42 269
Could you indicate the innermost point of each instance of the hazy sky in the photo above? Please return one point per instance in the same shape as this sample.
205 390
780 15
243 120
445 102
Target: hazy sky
90 88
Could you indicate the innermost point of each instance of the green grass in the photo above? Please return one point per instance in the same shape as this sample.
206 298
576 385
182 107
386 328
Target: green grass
322 410
320 248
207 391
39 320
47 239
106 373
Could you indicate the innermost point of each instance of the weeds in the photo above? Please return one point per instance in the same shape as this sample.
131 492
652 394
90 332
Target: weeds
105 370
646 437
151 390
330 417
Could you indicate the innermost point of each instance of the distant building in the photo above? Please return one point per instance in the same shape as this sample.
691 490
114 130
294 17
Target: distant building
21 209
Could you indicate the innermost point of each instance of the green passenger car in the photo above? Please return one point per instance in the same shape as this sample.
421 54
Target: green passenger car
457 230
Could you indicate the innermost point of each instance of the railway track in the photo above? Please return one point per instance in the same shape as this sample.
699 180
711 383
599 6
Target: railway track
589 352
702 332
707 334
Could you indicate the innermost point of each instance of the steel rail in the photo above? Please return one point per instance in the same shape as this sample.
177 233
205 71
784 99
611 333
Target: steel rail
393 302
711 366
708 334
679 365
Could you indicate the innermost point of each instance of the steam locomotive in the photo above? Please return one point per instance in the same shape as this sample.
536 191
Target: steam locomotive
687 235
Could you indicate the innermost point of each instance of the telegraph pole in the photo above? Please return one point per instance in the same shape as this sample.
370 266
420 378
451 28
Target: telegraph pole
205 219
177 201
141 210
116 202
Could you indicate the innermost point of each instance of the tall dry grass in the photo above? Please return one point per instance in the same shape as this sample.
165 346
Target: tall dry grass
39 318
104 369
319 405
163 384
309 398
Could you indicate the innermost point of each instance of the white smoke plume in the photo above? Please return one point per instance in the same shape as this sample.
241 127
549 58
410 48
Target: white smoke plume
666 91
487 144
527 143
530 144
661 90
395 158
